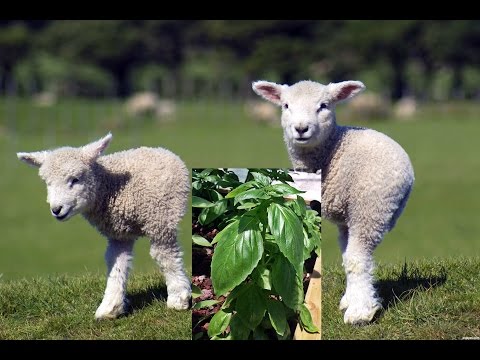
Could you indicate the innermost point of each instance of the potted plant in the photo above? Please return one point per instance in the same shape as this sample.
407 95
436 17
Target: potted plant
257 244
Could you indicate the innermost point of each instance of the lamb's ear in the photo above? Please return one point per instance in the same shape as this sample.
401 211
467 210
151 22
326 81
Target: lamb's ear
93 150
345 90
269 91
34 159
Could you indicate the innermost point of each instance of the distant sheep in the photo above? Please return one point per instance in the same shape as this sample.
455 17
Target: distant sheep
148 103
369 106
140 104
125 195
366 178
405 108
165 109
45 99
262 112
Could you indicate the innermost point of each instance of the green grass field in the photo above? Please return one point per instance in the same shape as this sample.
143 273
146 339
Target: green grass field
63 308
439 221
434 299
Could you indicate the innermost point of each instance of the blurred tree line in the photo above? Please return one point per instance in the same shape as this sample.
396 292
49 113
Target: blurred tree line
429 59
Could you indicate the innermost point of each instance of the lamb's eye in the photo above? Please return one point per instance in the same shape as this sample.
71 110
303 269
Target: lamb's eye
321 107
73 181
285 106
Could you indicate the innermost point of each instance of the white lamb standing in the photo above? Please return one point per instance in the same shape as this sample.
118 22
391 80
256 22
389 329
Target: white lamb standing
366 178
125 195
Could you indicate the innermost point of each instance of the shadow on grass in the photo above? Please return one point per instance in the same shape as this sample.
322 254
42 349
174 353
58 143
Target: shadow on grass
402 286
143 298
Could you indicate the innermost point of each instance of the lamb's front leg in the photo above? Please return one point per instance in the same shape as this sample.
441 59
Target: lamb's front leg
360 301
118 257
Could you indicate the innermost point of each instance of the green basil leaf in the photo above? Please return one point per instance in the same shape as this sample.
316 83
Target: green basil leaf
196 291
209 214
252 194
261 179
215 195
251 306
306 320
286 282
301 206
200 240
248 221
238 330
198 202
288 232
219 323
285 189
246 206
232 295
309 244
261 276
235 256
276 313
238 190
205 304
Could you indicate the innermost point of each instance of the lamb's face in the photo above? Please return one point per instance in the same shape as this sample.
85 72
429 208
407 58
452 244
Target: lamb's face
307 113
308 107
69 183
70 176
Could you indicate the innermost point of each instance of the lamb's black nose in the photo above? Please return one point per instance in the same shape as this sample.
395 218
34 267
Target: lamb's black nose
301 129
56 210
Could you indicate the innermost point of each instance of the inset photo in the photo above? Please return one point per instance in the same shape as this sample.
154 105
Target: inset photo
256 240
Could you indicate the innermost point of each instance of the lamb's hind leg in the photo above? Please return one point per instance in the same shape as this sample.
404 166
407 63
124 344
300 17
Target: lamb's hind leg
118 257
343 241
166 251
360 301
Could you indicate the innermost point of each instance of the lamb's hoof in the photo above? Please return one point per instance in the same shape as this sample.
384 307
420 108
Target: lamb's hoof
343 303
108 310
360 314
179 301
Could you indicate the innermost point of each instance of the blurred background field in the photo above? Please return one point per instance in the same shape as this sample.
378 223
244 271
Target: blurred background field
34 243
441 218
185 85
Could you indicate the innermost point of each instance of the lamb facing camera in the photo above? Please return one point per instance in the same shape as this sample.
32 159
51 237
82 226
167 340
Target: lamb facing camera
366 178
124 195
